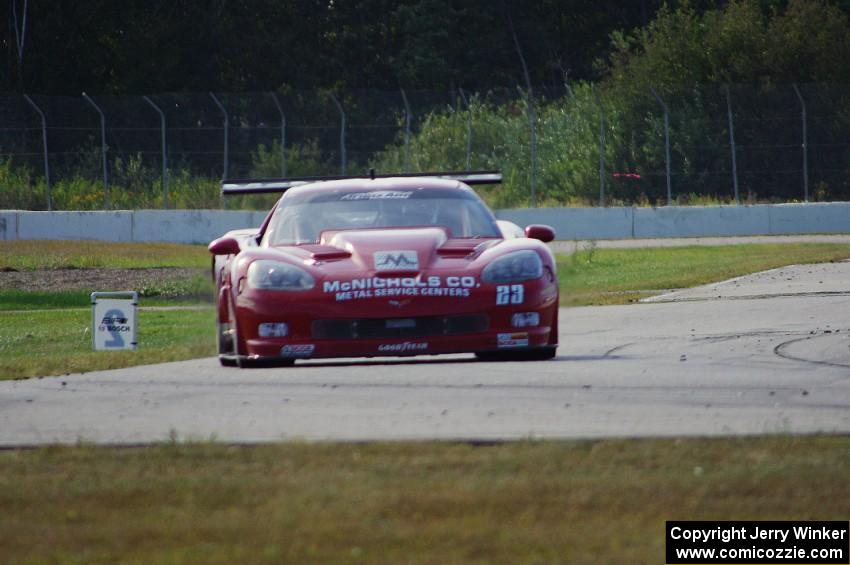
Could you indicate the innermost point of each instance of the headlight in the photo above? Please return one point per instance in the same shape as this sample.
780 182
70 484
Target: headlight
274 275
514 267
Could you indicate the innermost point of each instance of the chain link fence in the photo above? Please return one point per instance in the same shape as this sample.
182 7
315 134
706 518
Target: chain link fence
709 144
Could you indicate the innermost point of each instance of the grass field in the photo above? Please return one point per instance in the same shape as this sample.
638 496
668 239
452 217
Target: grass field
528 502
46 333
620 276
40 254
54 342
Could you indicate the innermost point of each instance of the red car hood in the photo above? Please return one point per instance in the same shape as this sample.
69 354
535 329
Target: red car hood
388 252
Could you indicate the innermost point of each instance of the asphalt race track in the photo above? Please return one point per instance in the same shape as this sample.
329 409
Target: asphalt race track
768 353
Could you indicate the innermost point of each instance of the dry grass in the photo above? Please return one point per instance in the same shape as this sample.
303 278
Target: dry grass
577 501
39 254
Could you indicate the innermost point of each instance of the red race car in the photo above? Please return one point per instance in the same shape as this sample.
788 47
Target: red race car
383 265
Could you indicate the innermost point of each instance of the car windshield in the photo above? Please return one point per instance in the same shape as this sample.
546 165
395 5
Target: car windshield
301 218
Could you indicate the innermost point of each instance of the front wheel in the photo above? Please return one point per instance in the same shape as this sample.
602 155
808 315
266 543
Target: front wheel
228 349
264 362
536 354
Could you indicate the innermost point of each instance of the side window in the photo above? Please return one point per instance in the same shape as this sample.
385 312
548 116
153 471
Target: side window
281 228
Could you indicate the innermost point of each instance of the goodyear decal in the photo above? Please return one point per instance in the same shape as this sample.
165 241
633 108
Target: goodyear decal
406 347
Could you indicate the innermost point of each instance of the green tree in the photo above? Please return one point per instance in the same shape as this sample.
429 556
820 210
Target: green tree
687 56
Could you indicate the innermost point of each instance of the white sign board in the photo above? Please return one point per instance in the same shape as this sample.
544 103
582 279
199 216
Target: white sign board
114 320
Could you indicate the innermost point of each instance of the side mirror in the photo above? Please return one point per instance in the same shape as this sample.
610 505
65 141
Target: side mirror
541 232
224 246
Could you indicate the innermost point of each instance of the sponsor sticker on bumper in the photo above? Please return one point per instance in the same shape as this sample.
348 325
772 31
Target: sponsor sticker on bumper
512 340
298 351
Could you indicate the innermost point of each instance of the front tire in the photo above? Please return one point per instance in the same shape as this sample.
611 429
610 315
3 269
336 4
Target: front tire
227 361
536 354
263 362
225 341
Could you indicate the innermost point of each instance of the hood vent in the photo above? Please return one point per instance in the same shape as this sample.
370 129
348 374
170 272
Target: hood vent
326 252
460 248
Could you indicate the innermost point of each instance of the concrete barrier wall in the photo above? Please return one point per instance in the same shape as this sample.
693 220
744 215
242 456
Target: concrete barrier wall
687 221
8 225
202 226
576 223
826 217
103 226
695 221
176 226
189 226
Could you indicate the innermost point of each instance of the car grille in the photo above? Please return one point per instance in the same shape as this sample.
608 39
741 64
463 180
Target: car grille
369 328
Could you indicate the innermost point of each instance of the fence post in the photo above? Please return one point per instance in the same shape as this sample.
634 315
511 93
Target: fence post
532 123
468 128
666 144
225 173
529 101
44 144
103 148
406 131
164 152
342 156
805 147
732 144
601 147
282 135
226 135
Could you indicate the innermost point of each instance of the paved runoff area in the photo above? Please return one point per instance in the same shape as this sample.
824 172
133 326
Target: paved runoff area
762 354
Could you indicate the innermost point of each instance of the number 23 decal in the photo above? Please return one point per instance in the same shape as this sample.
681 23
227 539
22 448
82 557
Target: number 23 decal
510 294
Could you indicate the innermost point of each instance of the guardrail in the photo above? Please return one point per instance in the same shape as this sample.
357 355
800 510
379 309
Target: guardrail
202 226
687 221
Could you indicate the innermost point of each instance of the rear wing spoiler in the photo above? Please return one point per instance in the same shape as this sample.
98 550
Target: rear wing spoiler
231 187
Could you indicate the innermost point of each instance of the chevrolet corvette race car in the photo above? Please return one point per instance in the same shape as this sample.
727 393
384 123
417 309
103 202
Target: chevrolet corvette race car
381 265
